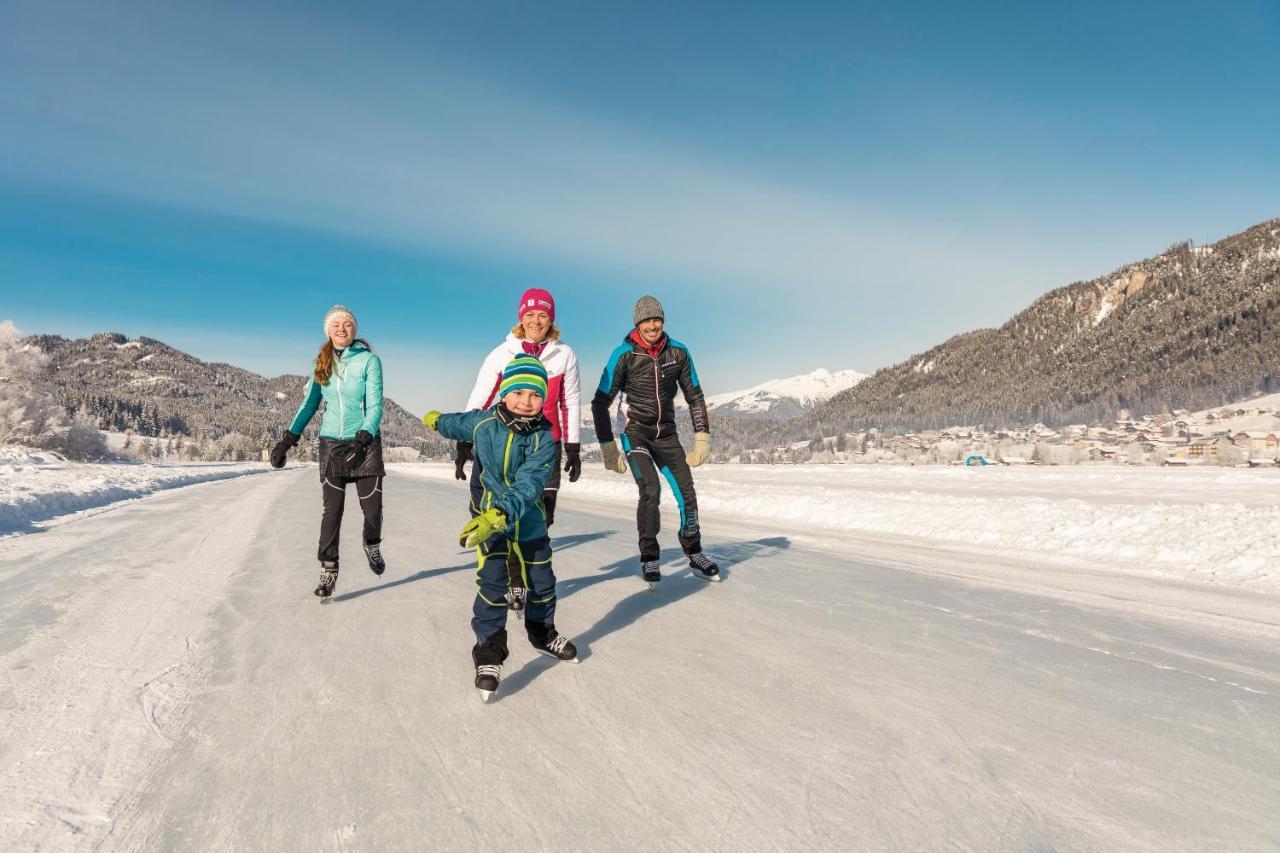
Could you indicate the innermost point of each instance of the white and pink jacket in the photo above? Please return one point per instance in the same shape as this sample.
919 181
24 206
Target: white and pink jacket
564 395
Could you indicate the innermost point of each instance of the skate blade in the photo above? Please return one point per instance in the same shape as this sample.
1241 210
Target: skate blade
485 695
707 578
652 585
557 658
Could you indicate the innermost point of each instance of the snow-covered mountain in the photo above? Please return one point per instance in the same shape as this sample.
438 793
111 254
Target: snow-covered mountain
153 389
779 399
1189 328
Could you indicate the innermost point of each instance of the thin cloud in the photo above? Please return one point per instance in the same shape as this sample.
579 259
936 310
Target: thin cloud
409 151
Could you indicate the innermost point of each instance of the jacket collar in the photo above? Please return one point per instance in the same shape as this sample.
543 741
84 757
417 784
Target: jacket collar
523 424
638 342
352 350
515 346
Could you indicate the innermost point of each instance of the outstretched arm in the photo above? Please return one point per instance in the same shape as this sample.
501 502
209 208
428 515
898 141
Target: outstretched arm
460 426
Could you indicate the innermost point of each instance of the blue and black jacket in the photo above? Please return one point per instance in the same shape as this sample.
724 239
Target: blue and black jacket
516 461
649 376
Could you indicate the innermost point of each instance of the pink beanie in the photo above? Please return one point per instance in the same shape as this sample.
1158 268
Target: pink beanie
536 299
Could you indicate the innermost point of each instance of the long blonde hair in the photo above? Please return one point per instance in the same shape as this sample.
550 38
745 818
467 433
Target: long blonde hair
328 355
552 335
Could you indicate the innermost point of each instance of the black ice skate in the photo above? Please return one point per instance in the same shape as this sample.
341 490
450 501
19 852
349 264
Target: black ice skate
548 641
704 567
516 597
377 565
487 677
517 593
488 657
328 577
651 573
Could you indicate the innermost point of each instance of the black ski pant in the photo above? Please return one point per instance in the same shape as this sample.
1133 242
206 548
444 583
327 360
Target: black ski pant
548 503
369 492
652 461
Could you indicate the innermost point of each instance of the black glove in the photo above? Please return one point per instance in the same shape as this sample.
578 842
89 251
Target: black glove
460 459
355 455
573 461
282 448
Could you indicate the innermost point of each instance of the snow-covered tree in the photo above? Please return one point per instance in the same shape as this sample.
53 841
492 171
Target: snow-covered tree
30 412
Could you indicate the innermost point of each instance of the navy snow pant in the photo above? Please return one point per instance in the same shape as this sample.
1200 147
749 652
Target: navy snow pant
652 461
493 580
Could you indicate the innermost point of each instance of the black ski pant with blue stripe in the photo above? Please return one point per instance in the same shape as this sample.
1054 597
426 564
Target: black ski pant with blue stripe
652 461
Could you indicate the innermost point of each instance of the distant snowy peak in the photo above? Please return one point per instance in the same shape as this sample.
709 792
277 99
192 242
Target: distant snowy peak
785 398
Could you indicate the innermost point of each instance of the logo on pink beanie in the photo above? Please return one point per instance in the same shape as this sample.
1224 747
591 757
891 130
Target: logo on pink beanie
537 299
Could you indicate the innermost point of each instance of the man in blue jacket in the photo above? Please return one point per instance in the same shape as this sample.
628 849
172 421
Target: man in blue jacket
513 443
646 369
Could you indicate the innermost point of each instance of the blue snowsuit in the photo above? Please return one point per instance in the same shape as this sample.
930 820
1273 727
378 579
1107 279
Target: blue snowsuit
515 469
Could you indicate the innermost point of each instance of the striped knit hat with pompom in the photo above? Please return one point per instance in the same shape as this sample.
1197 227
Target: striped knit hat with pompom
523 371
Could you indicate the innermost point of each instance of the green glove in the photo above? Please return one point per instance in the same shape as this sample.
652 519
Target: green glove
701 449
431 419
480 528
613 459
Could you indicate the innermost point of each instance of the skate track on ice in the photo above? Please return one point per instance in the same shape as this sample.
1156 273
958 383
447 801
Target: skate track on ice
168 682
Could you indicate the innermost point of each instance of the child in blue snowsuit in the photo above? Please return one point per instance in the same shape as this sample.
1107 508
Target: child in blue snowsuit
513 443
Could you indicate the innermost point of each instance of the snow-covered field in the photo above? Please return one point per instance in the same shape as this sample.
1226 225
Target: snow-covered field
37 487
1216 525
168 681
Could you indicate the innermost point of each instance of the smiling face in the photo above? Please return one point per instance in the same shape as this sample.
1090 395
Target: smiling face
536 325
650 330
341 331
523 402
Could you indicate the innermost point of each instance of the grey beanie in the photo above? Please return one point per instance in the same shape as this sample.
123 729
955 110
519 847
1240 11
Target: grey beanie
648 308
340 309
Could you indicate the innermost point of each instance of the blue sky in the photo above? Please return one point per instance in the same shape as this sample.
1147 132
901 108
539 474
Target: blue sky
837 185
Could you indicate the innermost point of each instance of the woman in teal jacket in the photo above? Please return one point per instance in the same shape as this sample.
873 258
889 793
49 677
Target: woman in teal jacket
347 376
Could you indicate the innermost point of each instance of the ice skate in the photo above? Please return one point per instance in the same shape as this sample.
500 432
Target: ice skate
377 565
550 642
488 675
516 597
328 578
704 567
651 572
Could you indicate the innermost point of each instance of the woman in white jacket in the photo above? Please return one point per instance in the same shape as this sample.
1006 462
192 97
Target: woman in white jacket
536 334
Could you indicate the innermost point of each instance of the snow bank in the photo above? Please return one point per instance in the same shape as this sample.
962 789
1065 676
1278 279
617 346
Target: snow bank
36 486
1212 525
